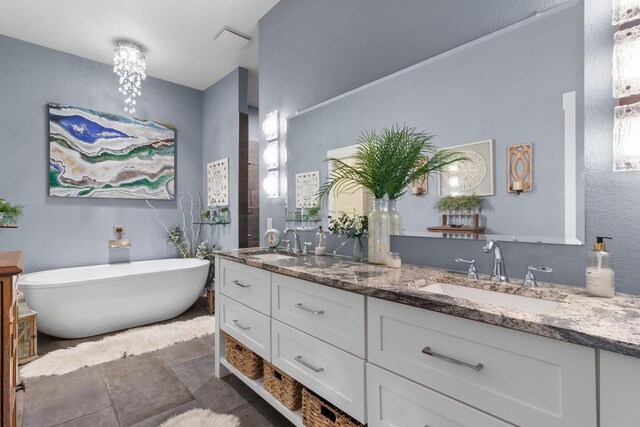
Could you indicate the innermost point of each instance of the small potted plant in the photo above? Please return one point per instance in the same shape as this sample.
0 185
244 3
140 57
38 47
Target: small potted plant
222 217
313 213
206 215
10 213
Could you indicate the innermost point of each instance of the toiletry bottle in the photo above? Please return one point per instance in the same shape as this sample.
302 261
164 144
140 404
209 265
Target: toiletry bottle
321 248
600 274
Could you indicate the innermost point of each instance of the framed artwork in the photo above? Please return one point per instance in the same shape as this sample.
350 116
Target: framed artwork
307 187
473 176
218 183
94 154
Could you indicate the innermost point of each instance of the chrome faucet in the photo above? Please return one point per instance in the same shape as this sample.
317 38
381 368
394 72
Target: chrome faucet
499 273
296 240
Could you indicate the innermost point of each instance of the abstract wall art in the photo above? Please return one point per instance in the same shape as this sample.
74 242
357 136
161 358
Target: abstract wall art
94 154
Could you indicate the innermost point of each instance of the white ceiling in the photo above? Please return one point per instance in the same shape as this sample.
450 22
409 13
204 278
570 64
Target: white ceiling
177 35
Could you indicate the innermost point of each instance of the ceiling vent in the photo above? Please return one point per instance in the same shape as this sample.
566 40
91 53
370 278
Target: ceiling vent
230 38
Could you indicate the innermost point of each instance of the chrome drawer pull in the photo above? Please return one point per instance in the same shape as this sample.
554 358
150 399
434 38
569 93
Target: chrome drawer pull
310 310
300 360
242 285
244 328
427 351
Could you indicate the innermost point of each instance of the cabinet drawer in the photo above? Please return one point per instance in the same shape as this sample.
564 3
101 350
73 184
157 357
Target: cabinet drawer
393 401
249 327
524 379
330 372
333 315
248 285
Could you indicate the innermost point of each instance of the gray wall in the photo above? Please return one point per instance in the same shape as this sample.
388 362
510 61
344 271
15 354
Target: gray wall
487 90
312 51
254 126
222 104
59 232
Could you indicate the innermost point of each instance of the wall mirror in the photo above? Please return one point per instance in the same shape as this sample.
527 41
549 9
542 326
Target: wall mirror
513 98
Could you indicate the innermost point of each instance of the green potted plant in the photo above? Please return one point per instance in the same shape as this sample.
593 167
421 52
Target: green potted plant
206 214
10 213
385 164
222 217
313 213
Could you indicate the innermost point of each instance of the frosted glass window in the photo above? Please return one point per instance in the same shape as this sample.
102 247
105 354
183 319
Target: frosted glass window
625 11
626 63
626 138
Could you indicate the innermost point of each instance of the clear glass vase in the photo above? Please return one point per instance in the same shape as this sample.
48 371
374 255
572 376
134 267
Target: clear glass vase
379 242
395 220
358 249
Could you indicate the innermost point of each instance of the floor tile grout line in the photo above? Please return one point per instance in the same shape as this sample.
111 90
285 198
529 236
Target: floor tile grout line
115 411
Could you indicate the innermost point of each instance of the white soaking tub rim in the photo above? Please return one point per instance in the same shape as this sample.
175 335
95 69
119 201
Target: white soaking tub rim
43 279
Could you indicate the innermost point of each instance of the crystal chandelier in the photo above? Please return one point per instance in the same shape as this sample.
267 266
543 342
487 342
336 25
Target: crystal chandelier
130 67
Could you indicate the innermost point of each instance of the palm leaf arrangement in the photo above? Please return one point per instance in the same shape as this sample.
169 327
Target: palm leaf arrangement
387 162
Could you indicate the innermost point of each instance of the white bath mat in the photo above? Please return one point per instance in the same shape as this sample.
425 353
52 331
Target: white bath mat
128 343
202 418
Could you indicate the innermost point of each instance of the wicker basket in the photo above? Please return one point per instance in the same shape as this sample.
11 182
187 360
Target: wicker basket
317 412
243 359
282 387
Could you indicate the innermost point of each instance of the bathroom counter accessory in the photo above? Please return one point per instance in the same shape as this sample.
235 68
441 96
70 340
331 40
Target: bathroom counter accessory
611 324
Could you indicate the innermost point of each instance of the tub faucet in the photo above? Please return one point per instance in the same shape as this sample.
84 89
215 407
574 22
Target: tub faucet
499 273
296 240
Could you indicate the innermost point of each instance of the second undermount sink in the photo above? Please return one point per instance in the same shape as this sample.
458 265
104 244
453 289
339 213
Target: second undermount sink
482 296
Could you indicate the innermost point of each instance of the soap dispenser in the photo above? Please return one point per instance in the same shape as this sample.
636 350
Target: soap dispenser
600 274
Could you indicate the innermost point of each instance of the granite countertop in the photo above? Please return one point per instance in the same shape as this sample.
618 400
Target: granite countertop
611 324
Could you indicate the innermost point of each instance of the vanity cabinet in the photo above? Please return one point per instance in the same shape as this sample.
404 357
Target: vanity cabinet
522 378
619 390
10 267
389 364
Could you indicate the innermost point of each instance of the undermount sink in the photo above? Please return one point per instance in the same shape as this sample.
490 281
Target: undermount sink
482 296
272 257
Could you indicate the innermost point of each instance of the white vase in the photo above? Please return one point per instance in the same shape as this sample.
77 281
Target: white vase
395 220
379 242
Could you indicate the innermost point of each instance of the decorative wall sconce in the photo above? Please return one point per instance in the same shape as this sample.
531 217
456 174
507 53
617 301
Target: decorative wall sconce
626 63
626 138
270 126
520 172
420 186
271 184
625 11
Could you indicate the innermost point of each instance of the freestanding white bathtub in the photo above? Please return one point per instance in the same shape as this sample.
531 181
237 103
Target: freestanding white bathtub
84 301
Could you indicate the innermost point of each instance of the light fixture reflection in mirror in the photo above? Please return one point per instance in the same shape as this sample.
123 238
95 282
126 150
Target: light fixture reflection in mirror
270 155
271 185
625 11
626 138
626 63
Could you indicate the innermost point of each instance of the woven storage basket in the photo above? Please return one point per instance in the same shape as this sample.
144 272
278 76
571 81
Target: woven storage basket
282 387
317 412
243 359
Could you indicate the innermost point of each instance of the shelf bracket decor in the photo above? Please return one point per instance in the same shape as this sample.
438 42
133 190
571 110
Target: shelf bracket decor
520 168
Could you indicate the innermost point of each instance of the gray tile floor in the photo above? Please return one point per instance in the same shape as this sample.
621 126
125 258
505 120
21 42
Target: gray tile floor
142 391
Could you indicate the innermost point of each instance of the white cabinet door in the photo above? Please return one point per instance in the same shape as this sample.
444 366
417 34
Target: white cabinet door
522 378
330 372
333 315
246 325
249 285
619 390
393 401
